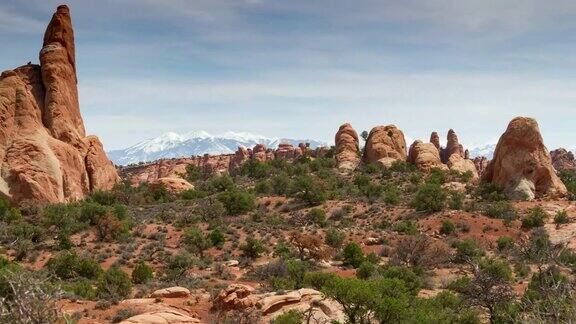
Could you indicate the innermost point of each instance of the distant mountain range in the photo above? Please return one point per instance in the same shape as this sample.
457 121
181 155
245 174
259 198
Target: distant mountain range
485 150
174 145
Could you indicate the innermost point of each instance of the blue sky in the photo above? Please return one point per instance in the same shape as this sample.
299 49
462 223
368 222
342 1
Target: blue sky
301 68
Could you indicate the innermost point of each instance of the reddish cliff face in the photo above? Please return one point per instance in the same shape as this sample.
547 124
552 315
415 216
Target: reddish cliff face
45 154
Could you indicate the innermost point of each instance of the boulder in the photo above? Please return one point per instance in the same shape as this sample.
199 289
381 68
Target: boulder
44 151
425 156
172 292
563 160
522 165
347 151
457 163
173 185
385 142
167 316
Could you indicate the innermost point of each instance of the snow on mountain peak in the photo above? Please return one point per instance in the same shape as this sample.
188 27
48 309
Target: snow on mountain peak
195 143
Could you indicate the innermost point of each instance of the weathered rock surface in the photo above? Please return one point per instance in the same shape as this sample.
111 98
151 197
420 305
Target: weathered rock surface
168 316
347 151
481 163
522 165
435 139
453 146
384 143
458 163
172 292
425 156
45 154
271 305
172 184
563 160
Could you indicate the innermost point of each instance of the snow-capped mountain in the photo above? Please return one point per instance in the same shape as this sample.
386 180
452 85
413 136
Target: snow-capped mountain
484 150
174 145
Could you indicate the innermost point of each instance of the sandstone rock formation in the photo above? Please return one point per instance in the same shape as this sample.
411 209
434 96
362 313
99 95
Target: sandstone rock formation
45 154
435 139
172 292
481 163
384 145
425 156
271 305
458 163
347 151
453 146
172 184
287 151
563 160
522 165
168 316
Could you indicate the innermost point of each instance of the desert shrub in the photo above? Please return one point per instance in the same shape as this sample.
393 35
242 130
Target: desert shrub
505 243
436 176
142 273
255 169
114 284
467 250
318 279
178 264
365 270
22 230
280 183
263 187
124 314
568 258
105 198
353 254
193 173
237 202
220 183
195 241
82 288
334 238
217 238
64 217
210 209
489 192
289 317
317 216
550 297
535 218
391 195
7 213
561 217
447 227
308 190
406 227
192 194
109 227
456 200
430 198
7 268
402 167
419 251
569 179
252 248
68 265
500 209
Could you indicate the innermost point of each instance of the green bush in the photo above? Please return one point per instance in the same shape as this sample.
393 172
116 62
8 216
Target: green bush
334 238
68 265
114 284
365 270
217 238
193 173
142 273
456 201
391 195
561 217
467 250
82 289
237 202
280 184
430 198
569 179
317 216
252 248
505 243
447 227
318 279
308 190
290 317
106 198
7 213
500 209
256 169
406 227
490 192
195 241
535 218
353 254
192 194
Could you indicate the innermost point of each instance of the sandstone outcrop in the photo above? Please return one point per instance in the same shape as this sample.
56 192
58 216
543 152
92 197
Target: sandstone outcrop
384 145
522 165
45 154
435 139
287 151
462 165
425 156
347 151
563 160
168 316
172 184
172 292
453 146
481 163
271 305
